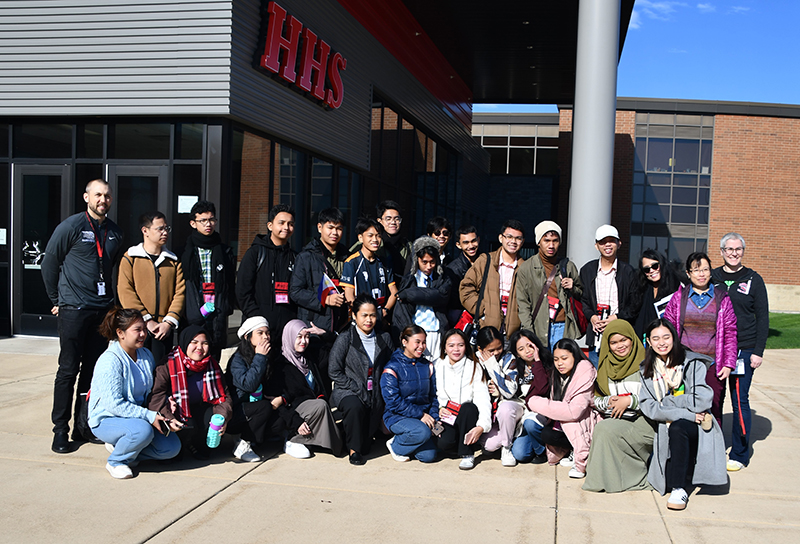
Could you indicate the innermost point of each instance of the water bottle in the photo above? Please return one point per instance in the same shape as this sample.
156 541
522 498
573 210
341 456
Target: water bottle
206 309
214 428
256 396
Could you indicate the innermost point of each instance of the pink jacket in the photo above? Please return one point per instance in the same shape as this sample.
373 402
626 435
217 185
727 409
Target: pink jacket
726 348
574 413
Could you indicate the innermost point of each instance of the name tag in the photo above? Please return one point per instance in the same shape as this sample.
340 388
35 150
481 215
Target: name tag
101 288
281 292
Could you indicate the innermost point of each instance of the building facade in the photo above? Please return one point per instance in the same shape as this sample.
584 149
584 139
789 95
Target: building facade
685 173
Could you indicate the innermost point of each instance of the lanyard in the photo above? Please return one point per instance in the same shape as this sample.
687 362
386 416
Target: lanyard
100 248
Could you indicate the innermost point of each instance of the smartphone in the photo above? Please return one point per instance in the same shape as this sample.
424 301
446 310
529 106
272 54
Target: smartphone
164 424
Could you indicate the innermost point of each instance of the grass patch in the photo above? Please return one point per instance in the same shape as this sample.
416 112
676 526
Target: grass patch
784 331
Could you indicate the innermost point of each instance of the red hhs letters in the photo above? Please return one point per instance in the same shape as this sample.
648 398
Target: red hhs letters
316 61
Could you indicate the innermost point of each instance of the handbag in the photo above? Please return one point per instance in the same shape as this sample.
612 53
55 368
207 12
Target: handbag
580 317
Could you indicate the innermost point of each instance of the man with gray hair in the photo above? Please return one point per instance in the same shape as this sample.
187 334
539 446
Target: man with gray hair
748 294
546 286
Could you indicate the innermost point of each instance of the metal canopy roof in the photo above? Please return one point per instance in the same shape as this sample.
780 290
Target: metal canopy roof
510 51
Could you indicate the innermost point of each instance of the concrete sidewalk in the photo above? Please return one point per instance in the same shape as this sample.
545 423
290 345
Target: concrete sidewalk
48 497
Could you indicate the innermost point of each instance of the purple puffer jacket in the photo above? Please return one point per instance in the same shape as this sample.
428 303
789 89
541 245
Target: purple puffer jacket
726 344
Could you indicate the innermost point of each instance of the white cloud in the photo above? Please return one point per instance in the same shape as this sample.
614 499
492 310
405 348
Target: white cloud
706 8
675 50
636 20
739 9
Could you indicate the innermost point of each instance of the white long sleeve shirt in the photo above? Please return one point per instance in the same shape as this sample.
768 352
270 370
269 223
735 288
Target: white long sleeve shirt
458 383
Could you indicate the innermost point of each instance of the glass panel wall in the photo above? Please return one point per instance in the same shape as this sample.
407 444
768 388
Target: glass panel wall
672 176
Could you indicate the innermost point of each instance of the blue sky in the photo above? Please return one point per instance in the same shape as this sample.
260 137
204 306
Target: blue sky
742 51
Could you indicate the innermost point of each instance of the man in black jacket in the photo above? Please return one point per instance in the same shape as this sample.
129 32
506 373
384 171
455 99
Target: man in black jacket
608 289
209 270
262 288
467 241
77 272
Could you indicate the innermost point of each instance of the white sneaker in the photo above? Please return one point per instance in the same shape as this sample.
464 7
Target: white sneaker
577 474
507 458
734 466
244 452
467 462
677 499
109 447
120 472
568 461
396 457
298 451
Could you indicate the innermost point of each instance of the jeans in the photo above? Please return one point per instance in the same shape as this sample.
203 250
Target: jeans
81 345
555 333
740 399
529 443
413 437
594 357
135 439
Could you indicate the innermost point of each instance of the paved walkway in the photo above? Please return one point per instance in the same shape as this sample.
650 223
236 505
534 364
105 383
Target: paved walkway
71 498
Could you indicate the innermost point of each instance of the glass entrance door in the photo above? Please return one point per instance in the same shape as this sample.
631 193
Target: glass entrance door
136 190
40 203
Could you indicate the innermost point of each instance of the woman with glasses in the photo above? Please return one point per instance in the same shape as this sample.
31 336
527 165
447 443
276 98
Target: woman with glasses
658 281
749 298
706 323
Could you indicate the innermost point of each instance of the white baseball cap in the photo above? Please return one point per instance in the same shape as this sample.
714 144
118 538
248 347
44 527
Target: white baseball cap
604 231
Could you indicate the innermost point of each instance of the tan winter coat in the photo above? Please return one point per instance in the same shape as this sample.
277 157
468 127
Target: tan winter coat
155 289
491 312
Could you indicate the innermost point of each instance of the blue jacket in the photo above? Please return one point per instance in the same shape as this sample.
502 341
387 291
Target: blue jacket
408 387
112 383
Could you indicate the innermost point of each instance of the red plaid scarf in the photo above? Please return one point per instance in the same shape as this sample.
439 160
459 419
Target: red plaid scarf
213 388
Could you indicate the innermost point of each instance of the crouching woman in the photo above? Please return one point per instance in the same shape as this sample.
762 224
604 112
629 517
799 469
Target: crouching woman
122 381
675 395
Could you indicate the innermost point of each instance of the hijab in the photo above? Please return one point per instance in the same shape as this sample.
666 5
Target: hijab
290 332
611 366
184 339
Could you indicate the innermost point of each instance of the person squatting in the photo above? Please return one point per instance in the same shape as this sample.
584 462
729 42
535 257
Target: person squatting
434 351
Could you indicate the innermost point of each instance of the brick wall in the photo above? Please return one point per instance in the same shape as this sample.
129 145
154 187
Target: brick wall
623 174
755 191
254 191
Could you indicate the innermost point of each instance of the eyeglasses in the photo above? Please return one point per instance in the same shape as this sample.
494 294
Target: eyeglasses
698 271
654 266
209 221
392 219
162 230
732 250
511 238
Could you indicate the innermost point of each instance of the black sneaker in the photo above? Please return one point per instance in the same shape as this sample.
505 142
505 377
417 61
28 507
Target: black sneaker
357 459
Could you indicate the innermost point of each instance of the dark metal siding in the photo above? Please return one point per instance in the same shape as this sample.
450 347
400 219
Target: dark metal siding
107 57
344 133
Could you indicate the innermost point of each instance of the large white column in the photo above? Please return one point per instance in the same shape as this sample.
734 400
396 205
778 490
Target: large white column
593 123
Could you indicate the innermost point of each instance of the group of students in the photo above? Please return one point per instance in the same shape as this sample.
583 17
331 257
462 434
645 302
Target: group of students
443 354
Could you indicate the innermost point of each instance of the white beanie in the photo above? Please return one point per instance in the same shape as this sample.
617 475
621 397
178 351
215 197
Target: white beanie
250 324
544 227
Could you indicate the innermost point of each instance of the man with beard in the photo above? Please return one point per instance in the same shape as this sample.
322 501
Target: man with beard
209 271
77 272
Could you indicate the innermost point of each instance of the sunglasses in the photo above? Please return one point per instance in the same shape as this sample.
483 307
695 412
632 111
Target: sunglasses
647 269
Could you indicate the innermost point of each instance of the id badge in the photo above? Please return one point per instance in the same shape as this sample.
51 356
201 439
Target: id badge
281 292
101 288
369 383
739 370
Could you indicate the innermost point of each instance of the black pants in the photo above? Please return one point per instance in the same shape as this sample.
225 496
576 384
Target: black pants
682 452
81 345
555 438
356 423
160 348
453 436
256 421
217 329
196 429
